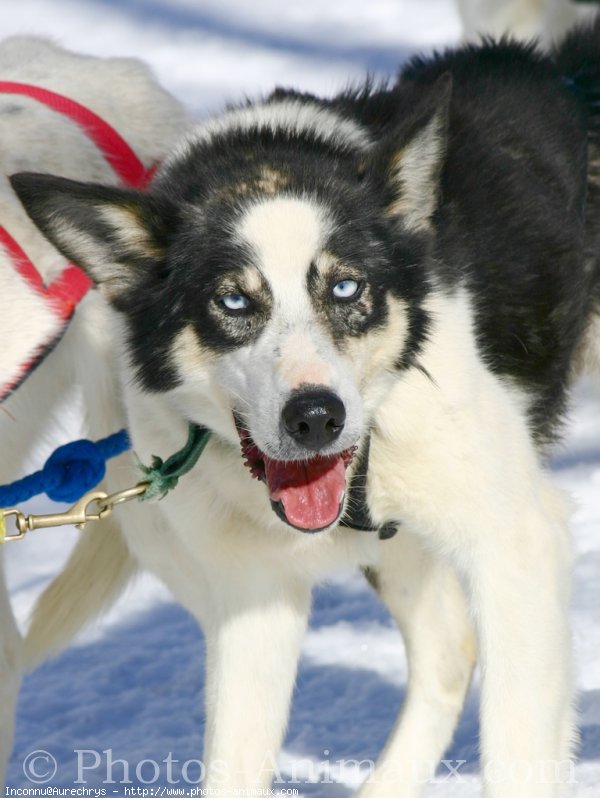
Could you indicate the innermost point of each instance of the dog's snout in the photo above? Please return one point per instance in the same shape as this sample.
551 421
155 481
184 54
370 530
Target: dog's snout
314 418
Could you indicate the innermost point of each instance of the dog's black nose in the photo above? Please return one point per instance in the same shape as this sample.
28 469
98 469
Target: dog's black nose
314 418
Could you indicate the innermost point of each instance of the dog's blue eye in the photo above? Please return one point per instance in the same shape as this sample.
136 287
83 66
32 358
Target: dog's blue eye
346 289
235 302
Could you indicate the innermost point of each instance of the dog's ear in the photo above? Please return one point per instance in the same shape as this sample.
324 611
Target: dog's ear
116 235
413 154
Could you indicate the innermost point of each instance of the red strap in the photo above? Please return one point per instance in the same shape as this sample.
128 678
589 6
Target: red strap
20 261
64 293
115 149
73 284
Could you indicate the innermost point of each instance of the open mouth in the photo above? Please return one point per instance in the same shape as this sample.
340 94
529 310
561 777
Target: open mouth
306 494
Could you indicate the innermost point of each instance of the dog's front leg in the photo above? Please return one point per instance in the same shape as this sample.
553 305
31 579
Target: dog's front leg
253 635
477 496
518 585
425 598
514 562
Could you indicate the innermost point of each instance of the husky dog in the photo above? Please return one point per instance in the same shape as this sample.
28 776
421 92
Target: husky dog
126 96
376 304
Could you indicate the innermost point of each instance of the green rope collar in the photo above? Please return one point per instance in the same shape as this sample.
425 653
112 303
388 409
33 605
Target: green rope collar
163 475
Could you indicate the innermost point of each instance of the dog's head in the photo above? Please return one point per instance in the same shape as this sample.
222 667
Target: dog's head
270 281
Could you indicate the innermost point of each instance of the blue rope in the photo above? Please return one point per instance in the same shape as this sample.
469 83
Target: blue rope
69 472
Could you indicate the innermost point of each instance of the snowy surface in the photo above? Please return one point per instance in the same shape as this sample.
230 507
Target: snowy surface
133 683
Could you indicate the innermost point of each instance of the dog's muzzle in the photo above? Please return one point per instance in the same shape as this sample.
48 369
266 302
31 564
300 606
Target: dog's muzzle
307 493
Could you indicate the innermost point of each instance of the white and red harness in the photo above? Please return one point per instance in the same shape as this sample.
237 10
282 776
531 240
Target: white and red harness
64 294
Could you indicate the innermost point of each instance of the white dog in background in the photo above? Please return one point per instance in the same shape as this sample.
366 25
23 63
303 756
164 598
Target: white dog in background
546 20
124 94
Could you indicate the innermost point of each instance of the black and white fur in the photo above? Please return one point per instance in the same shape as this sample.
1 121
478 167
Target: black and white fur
428 254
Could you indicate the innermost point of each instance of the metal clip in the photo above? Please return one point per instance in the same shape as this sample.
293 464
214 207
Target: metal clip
79 514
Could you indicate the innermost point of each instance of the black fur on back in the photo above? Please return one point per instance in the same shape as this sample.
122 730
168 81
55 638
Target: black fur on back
513 204
578 60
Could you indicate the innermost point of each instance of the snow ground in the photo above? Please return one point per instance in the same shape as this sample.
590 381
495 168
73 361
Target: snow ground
133 683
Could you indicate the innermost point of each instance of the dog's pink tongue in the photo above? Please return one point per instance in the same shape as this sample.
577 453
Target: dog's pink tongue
311 492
